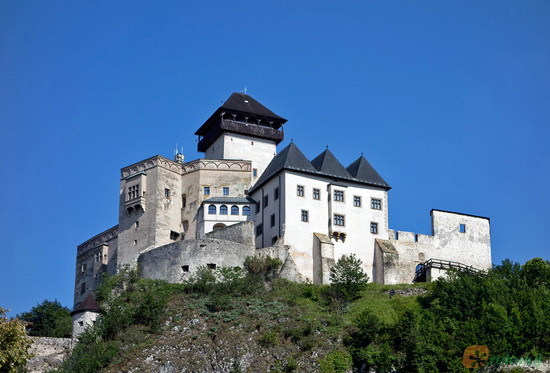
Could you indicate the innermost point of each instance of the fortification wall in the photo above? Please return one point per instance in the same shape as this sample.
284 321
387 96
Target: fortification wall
178 261
49 353
455 237
241 233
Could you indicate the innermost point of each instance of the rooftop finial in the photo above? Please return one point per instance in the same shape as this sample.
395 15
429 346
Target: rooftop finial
361 154
327 146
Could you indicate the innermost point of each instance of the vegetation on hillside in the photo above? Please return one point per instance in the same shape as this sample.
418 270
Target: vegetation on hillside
49 319
287 326
14 344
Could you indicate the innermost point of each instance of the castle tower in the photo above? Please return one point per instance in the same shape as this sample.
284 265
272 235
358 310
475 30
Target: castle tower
242 128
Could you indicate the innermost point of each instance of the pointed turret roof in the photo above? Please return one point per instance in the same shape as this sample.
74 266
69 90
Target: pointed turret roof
362 170
88 304
327 164
290 158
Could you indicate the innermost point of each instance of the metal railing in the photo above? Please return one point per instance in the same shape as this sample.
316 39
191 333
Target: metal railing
422 268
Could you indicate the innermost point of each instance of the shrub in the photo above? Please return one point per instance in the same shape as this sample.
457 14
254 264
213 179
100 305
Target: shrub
269 339
336 362
265 267
14 344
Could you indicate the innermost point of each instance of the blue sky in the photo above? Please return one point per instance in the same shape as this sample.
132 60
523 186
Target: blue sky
450 101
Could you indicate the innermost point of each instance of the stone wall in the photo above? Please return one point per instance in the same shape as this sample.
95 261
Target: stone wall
178 261
49 353
241 233
396 259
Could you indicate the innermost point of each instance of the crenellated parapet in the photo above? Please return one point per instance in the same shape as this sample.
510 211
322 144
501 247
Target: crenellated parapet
156 161
183 168
217 164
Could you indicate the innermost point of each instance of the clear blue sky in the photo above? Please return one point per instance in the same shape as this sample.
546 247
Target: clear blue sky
450 101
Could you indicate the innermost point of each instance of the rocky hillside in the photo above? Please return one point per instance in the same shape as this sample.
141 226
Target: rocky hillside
233 321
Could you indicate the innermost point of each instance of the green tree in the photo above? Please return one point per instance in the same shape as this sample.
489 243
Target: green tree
536 272
14 344
50 319
347 277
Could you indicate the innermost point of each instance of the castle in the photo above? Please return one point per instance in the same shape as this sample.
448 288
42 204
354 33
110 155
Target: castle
243 198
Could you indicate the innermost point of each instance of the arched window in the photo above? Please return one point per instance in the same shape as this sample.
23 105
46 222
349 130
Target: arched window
246 210
234 210
212 210
223 210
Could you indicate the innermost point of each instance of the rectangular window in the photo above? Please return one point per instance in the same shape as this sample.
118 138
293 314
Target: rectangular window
259 229
83 268
225 191
166 193
206 191
339 195
83 288
258 207
211 266
376 204
137 224
266 201
272 220
316 193
274 239
300 190
133 192
339 220
276 194
174 235
183 201
462 228
374 228
357 201
185 268
305 216
255 172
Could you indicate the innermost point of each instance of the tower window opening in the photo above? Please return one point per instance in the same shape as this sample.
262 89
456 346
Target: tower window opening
462 228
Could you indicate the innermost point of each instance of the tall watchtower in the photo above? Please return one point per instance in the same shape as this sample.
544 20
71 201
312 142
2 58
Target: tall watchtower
242 128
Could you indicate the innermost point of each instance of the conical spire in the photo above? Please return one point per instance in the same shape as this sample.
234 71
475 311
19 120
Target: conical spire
363 171
327 164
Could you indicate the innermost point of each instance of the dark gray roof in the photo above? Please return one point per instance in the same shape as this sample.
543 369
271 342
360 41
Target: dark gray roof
290 158
229 200
246 104
88 304
362 170
327 164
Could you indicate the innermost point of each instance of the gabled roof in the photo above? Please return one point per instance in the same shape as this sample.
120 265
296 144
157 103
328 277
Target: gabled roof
290 158
246 104
327 164
88 304
362 170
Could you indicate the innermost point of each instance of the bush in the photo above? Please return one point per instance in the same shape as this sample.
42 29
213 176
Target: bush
336 362
269 339
14 344
265 267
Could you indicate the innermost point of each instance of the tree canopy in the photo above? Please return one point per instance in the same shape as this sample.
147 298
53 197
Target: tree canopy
50 319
